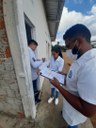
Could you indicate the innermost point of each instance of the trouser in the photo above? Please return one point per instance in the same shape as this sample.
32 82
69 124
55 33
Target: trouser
36 92
53 91
75 126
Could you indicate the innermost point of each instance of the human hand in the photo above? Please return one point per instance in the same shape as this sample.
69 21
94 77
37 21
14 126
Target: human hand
62 73
38 71
55 83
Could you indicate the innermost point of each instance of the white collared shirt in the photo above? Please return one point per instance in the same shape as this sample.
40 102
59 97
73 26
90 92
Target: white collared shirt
55 65
81 81
34 64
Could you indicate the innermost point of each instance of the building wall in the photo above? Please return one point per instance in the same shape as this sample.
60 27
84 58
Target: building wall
15 28
34 10
16 90
10 98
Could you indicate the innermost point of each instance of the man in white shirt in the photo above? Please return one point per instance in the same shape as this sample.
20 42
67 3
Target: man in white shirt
35 63
80 93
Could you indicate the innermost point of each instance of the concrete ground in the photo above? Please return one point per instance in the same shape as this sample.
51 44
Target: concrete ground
9 121
48 115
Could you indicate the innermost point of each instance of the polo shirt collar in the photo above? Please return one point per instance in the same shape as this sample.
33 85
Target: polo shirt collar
87 56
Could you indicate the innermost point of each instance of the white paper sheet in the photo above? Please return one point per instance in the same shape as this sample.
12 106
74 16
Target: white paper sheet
46 72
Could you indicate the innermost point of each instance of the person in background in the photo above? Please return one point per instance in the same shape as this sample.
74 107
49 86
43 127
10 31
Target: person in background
80 93
56 64
35 63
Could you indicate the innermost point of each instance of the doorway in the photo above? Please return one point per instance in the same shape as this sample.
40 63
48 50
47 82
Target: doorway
30 35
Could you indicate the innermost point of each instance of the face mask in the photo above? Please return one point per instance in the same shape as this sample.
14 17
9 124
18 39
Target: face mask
76 51
70 55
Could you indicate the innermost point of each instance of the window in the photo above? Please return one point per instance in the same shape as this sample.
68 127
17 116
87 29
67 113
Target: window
30 29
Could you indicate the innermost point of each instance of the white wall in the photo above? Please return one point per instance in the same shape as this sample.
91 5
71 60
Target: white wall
34 10
15 26
36 14
14 21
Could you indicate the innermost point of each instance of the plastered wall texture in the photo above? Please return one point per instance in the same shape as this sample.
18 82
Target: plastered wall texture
10 98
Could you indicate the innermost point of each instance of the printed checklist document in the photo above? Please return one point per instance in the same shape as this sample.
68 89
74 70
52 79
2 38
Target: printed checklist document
46 72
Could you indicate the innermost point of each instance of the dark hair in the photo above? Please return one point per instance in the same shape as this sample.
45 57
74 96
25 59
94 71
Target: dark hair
57 49
32 42
77 31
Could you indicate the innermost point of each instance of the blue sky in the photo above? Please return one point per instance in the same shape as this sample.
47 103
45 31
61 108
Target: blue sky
77 11
83 6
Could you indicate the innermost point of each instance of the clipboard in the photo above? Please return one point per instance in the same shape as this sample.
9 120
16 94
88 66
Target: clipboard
47 73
